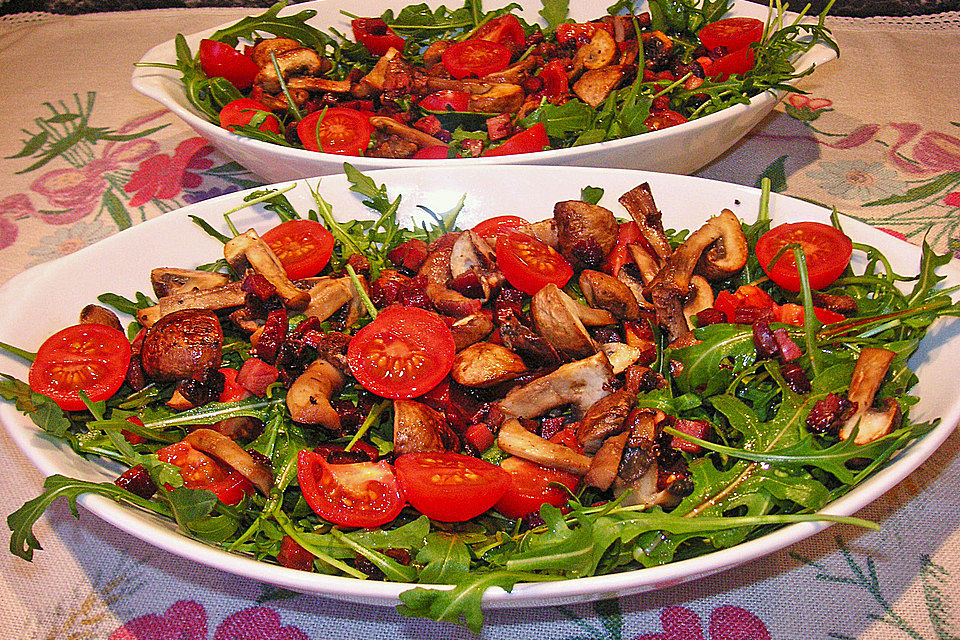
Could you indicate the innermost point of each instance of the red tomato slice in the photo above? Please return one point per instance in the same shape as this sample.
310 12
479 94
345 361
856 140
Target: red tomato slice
336 130
581 32
475 57
738 62
450 487
491 228
663 119
826 248
529 264
446 100
527 141
627 233
793 314
359 494
92 358
554 78
530 487
242 110
219 60
436 152
733 33
232 390
200 471
502 30
404 353
304 247
376 35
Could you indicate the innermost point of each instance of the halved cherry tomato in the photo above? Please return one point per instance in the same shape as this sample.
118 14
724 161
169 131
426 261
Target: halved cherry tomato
294 556
627 233
733 33
336 130
358 494
475 58
219 60
662 119
92 358
491 228
826 248
738 62
554 78
446 100
530 487
568 438
241 111
450 487
480 436
529 264
404 353
793 314
303 246
502 30
232 390
527 141
746 295
581 32
436 152
376 35
200 471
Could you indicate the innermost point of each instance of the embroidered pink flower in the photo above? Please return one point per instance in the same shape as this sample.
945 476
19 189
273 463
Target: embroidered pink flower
895 234
162 177
72 193
726 623
187 620
800 101
8 233
16 206
938 151
952 199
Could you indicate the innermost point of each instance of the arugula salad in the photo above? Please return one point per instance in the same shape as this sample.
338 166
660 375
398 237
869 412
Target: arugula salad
465 81
514 402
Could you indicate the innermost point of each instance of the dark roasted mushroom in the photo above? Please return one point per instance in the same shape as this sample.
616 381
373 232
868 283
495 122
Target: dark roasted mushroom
182 344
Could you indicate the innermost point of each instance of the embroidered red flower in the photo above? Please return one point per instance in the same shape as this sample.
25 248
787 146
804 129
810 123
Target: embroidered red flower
163 177
187 620
726 623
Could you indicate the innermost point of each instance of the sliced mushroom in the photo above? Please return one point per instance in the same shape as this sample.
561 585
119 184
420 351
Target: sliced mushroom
580 383
640 204
699 297
378 75
515 73
515 440
728 254
599 52
621 355
533 348
605 418
301 61
249 250
603 291
580 223
418 428
436 270
225 297
485 364
595 85
560 319
471 253
276 46
648 265
638 477
328 295
183 344
170 281
498 98
389 126
868 374
95 314
471 329
309 396
606 462
223 448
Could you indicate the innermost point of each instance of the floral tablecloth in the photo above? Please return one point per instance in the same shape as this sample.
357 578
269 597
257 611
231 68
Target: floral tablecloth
83 157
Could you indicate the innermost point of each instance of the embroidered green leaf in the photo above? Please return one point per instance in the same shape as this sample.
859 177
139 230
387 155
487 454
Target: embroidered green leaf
925 190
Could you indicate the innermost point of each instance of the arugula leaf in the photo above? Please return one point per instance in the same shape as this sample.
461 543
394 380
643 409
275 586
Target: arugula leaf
460 604
554 12
591 195
445 559
43 411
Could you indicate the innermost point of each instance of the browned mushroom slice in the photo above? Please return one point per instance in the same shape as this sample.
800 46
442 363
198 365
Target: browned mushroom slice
603 291
433 54
647 264
328 295
436 271
515 440
640 205
309 396
485 364
545 231
182 344
170 281
301 61
225 297
560 319
378 75
605 418
621 355
95 314
599 52
868 374
498 98
638 476
580 383
606 462
471 329
471 253
580 225
389 126
319 84
276 46
699 297
249 250
223 448
514 74
595 85
533 348
728 254
418 428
